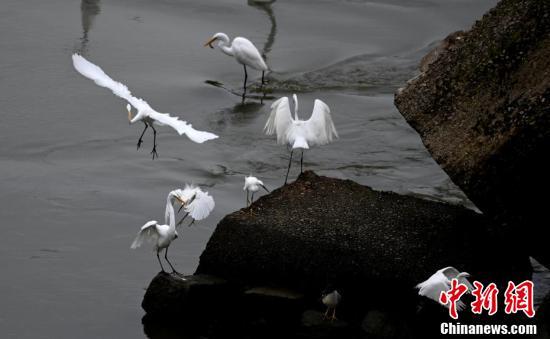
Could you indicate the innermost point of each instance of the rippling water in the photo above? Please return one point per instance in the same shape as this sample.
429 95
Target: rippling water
74 190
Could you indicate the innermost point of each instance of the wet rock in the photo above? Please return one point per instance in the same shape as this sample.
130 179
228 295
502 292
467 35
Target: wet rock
190 296
481 107
383 325
373 246
315 325
276 306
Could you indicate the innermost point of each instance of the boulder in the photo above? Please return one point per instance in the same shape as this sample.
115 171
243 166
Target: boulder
374 247
482 108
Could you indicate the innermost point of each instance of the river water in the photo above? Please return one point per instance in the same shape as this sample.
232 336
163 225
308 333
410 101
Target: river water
74 190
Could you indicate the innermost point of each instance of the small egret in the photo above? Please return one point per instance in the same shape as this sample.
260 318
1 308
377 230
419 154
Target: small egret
317 130
145 113
331 301
252 184
195 202
440 281
161 235
243 50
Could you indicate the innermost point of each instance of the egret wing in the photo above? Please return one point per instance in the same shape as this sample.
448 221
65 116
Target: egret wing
147 232
320 127
201 206
280 120
432 288
181 127
95 73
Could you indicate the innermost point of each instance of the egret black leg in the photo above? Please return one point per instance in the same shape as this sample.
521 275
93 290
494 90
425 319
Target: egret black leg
154 151
252 198
140 141
168 261
245 77
182 219
289 162
302 162
246 198
161 267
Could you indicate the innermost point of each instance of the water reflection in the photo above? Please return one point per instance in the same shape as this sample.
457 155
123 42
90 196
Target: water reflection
265 6
89 9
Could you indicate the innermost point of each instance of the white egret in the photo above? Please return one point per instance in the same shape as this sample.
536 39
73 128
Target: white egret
252 184
195 202
161 235
303 134
331 301
243 50
145 113
440 281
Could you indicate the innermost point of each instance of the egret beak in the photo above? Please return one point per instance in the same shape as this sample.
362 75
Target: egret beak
182 202
209 42
129 116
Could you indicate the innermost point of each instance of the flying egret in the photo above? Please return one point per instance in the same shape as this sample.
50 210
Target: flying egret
243 50
317 130
252 184
440 281
331 301
195 202
145 113
161 235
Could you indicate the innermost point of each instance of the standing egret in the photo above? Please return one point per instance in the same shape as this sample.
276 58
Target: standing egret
317 130
331 301
145 113
440 281
252 184
243 50
161 235
195 202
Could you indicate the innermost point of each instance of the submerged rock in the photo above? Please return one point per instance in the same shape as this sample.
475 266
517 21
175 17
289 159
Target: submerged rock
482 108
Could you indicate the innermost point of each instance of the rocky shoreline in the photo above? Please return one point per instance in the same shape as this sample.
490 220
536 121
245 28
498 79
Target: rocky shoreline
481 107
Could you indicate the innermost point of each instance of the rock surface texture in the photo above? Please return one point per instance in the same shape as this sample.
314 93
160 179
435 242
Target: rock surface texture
482 108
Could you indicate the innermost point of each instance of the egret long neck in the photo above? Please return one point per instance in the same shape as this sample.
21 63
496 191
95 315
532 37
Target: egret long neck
169 214
295 107
225 48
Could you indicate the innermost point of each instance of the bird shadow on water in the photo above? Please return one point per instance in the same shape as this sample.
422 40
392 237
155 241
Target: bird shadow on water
89 9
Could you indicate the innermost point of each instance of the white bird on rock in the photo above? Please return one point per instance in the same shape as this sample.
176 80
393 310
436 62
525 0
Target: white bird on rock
440 281
331 301
243 50
303 134
161 235
145 113
252 184
195 202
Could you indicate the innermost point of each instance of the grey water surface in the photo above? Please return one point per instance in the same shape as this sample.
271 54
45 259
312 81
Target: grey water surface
73 188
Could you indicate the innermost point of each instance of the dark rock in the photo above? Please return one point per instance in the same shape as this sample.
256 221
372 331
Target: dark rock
543 319
482 109
383 325
192 296
315 325
276 306
372 246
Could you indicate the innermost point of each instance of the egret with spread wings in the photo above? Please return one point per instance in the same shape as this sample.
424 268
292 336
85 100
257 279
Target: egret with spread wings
300 134
440 281
195 202
145 113
161 235
243 50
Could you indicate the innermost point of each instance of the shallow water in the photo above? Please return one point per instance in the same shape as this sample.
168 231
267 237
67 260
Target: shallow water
74 190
